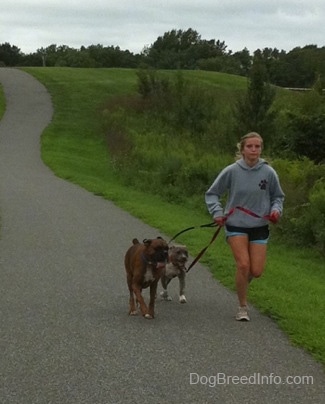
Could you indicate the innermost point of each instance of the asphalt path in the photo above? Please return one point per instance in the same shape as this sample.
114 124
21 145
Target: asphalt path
65 333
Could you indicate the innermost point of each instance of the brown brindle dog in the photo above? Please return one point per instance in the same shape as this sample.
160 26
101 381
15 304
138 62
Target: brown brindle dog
144 264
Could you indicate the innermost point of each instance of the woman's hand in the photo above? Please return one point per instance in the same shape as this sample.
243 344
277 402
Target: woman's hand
220 220
274 216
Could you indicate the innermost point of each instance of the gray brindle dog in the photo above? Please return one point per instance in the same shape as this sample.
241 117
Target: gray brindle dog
177 258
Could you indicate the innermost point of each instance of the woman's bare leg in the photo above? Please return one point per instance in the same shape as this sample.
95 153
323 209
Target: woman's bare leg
240 249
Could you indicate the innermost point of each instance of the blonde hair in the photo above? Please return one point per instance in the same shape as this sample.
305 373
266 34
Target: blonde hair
242 142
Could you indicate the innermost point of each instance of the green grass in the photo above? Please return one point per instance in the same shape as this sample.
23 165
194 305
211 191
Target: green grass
292 289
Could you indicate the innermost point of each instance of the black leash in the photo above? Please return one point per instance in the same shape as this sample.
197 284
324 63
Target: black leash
213 224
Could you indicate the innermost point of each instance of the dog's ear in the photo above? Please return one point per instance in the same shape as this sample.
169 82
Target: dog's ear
147 242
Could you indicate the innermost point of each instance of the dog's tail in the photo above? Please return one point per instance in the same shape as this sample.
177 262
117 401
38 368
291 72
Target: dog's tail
135 241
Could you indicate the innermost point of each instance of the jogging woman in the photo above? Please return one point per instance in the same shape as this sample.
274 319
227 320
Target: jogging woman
254 198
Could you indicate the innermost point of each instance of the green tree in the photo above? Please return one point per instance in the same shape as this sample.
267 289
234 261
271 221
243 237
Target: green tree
244 61
253 111
10 55
182 49
306 136
298 68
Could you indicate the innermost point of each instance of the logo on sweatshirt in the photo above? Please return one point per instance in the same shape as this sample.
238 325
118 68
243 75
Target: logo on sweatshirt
263 184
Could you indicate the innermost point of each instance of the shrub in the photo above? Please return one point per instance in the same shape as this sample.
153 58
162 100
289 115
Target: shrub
307 136
178 103
316 213
303 218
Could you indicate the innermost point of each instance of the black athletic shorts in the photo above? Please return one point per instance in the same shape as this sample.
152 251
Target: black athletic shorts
258 235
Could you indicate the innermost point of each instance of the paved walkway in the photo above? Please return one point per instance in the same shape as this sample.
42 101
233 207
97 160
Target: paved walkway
65 334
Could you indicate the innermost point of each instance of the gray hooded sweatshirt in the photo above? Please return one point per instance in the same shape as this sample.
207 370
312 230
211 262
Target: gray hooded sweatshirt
256 189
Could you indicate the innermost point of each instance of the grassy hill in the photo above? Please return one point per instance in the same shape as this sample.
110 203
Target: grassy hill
74 146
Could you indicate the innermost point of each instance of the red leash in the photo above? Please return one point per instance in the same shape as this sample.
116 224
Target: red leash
204 249
248 212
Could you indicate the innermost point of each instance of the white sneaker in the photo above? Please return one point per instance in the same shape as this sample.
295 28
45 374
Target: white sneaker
242 314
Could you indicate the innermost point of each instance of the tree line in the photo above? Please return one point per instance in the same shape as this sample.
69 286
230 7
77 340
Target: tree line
301 67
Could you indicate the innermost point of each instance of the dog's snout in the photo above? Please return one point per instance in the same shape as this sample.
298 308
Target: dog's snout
162 255
182 256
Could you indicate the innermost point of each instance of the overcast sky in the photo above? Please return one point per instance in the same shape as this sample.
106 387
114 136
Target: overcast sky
134 24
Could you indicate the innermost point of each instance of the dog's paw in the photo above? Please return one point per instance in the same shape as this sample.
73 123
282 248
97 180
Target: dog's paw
133 313
164 296
148 316
182 299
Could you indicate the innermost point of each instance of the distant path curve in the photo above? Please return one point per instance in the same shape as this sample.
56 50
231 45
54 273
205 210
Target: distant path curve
64 330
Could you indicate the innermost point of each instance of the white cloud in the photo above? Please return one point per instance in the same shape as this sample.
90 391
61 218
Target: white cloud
133 24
